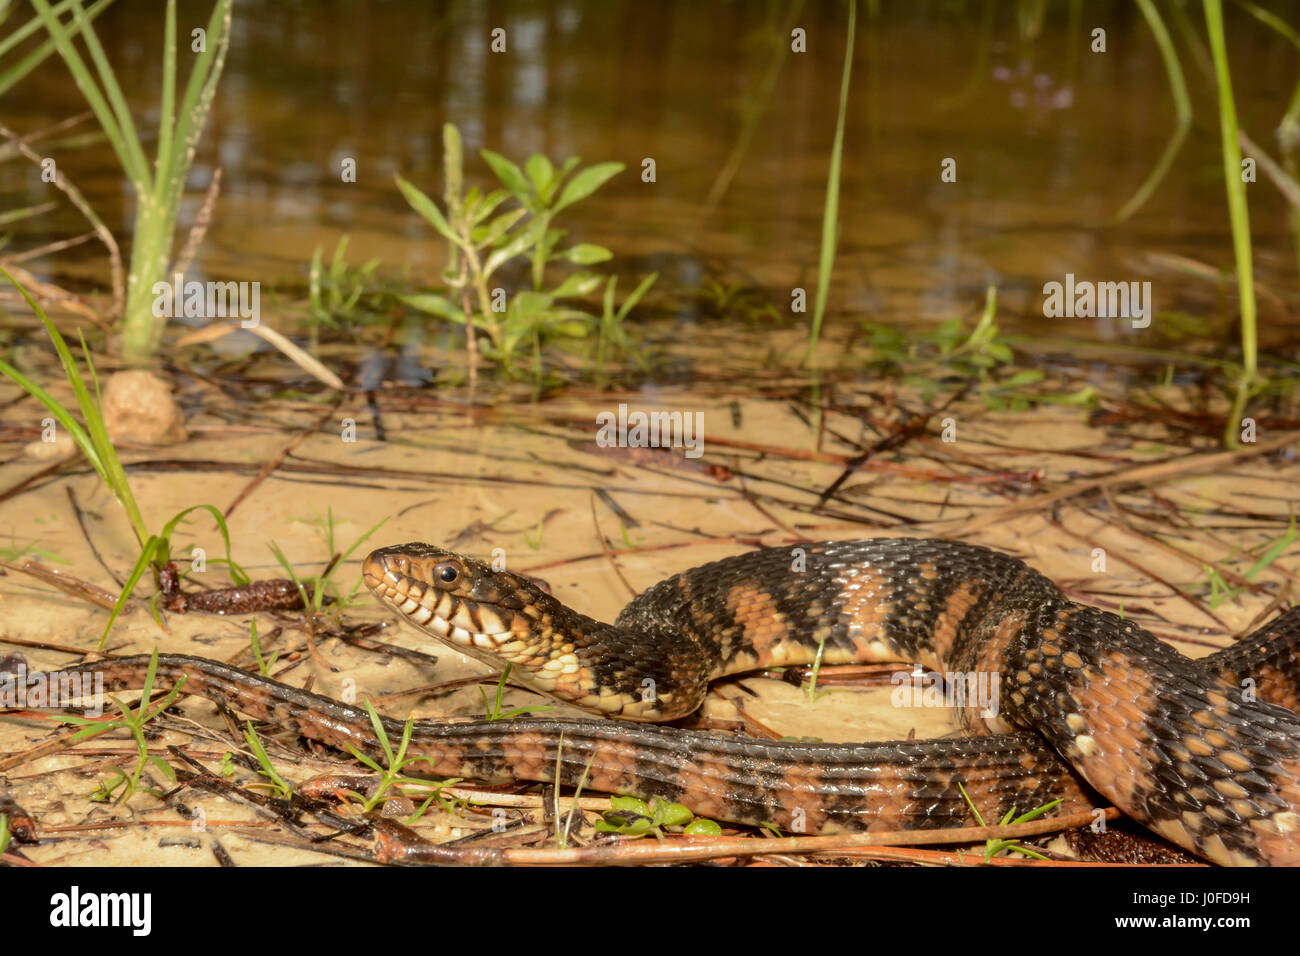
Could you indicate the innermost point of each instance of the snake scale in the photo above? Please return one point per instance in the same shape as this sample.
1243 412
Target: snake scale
1088 701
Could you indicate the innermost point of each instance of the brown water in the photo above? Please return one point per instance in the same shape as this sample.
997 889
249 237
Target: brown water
1050 139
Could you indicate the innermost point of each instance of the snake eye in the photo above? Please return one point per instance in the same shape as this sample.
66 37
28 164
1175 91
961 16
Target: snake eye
447 573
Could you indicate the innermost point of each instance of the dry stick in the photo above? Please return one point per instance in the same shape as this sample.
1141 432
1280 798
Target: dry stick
46 292
100 230
44 646
52 746
70 585
609 549
1160 471
1210 532
275 462
59 127
201 223
752 542
85 533
1190 599
50 248
695 849
1199 563
753 503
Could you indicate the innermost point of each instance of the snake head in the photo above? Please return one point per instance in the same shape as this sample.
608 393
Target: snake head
462 601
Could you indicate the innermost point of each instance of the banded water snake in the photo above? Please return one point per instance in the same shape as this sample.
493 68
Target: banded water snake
1179 745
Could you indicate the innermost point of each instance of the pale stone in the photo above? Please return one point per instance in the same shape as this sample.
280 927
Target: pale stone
62 447
139 410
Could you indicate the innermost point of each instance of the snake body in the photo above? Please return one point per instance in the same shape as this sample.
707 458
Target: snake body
1177 744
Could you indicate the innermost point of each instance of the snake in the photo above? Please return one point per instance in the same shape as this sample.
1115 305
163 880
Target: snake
1186 747
1205 752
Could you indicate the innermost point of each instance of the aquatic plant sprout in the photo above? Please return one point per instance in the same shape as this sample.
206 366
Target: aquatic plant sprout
482 239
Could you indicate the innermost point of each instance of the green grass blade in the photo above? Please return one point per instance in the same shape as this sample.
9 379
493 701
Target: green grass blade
141 563
138 168
129 155
60 412
92 413
167 104
36 57
1182 108
195 105
635 296
830 214
236 572
1238 215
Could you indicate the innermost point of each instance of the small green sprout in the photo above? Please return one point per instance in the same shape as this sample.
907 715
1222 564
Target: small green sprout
993 847
278 784
631 816
135 722
392 774
813 693
492 711
264 664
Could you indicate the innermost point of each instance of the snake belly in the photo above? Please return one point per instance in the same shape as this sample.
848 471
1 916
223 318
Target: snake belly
1177 744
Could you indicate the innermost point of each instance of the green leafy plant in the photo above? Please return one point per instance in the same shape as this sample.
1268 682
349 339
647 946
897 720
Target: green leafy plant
135 722
334 294
537 188
633 817
993 847
93 440
482 238
737 300
979 353
157 185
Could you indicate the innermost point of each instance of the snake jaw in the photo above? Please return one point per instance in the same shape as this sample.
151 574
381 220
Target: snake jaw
445 595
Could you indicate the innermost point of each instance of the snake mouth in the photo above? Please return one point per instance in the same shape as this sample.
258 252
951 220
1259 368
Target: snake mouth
429 587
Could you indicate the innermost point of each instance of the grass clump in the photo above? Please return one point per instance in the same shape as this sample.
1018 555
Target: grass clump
157 185
134 721
94 442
